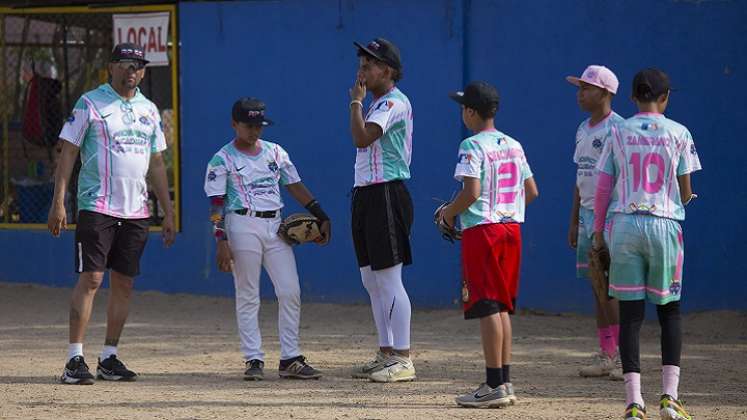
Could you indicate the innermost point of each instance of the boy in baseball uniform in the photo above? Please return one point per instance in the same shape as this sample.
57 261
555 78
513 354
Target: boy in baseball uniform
643 187
243 182
596 88
382 211
497 186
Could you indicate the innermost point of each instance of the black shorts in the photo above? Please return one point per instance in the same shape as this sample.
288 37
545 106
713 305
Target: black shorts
381 222
105 242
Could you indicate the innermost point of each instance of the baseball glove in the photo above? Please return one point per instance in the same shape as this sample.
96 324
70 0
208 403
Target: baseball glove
599 266
299 228
449 233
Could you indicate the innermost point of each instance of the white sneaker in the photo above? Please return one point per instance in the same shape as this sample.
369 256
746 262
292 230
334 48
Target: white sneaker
601 365
616 374
364 371
485 397
510 392
396 369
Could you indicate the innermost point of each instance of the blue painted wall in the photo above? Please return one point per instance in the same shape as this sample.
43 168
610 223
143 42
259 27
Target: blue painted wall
298 57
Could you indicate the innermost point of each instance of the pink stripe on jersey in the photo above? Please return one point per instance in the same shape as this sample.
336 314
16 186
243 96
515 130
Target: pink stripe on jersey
624 168
101 201
680 259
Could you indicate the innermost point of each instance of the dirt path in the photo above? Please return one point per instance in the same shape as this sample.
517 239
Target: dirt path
186 350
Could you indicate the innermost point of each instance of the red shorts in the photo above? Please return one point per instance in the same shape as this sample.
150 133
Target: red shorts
491 255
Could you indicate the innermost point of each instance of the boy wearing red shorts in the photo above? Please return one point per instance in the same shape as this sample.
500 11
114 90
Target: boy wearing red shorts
497 185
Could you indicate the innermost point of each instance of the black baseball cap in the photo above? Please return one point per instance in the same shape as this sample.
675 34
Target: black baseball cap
650 83
128 51
382 50
480 96
250 111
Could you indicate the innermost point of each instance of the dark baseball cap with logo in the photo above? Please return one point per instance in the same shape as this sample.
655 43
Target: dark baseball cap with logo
480 96
649 84
128 51
250 111
382 50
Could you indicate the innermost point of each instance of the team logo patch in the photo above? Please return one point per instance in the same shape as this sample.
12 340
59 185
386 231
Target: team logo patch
597 143
506 217
118 147
642 208
675 288
272 166
211 176
71 118
144 120
464 158
384 106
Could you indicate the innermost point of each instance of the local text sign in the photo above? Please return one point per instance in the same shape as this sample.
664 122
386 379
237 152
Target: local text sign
150 30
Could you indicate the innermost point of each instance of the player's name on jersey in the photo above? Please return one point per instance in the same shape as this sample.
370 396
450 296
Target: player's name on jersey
504 154
648 141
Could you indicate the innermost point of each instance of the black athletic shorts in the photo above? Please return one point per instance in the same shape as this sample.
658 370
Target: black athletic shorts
106 242
381 222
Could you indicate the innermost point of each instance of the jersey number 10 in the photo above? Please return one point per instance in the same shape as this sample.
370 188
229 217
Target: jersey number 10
642 172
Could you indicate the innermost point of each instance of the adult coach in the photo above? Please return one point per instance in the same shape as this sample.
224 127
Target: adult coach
118 133
382 207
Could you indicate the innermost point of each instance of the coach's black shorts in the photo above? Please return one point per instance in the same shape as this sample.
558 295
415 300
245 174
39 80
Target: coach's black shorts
382 218
105 242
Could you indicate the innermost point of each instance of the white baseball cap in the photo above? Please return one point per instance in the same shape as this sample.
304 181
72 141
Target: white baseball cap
598 76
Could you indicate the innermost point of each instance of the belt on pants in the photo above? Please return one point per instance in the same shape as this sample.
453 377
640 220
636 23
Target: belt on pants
268 214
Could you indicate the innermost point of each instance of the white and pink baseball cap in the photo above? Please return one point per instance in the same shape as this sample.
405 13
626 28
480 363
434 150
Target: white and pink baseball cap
598 76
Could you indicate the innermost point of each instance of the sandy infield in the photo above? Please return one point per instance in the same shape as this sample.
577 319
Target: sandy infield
185 349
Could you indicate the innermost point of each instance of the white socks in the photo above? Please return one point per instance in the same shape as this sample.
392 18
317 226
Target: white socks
670 380
74 349
108 351
633 388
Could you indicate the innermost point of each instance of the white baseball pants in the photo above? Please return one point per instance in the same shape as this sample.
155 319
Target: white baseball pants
255 244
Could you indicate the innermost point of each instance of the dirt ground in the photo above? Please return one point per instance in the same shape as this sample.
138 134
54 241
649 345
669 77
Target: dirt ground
185 349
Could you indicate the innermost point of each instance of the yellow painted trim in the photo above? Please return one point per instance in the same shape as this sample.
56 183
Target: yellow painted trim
171 8
175 122
86 9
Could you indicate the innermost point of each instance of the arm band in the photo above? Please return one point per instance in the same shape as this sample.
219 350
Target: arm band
216 217
316 209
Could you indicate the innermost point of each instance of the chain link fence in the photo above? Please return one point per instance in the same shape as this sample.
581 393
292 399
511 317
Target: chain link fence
47 60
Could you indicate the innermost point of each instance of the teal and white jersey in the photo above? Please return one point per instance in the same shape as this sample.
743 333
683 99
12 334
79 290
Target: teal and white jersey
250 182
116 137
590 140
499 163
388 157
645 155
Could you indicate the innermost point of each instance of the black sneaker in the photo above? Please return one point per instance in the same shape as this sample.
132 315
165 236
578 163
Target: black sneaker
76 372
112 369
297 368
254 370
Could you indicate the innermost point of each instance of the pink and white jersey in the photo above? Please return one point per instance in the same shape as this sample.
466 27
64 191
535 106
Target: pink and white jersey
388 157
250 181
590 140
645 154
499 163
116 137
